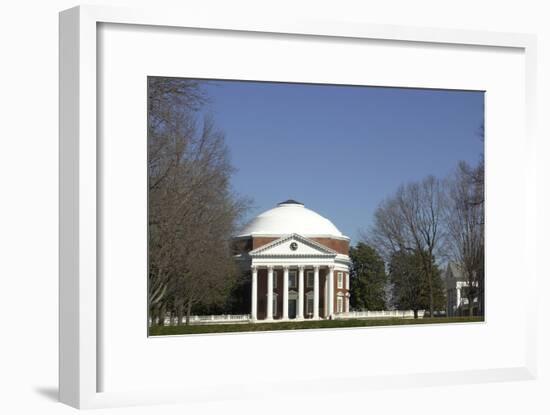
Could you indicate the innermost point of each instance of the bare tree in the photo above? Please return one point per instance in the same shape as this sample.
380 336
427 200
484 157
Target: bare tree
192 210
411 221
465 227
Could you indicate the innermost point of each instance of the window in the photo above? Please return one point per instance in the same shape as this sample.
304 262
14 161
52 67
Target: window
309 278
340 304
292 279
309 306
274 305
340 280
275 277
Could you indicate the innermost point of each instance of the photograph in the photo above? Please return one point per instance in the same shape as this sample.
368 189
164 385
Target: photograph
325 207
293 206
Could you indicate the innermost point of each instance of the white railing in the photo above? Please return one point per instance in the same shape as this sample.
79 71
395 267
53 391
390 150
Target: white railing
380 314
245 318
220 318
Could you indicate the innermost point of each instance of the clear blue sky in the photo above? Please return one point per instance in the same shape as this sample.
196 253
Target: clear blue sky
341 149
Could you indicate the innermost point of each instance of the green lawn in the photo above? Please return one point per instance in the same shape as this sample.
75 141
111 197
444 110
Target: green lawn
300 325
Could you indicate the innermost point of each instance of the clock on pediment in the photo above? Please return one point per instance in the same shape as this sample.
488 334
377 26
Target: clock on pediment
294 246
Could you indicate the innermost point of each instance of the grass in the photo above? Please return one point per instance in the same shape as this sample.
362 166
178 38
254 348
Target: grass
300 325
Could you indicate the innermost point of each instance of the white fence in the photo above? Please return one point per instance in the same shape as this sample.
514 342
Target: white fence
379 314
221 318
245 318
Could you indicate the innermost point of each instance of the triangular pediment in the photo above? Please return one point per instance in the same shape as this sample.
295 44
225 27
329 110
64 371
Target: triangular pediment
293 245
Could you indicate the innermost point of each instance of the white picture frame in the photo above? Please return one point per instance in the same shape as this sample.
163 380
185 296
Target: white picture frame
79 360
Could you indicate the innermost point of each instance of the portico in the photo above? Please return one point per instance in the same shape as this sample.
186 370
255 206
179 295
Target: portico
289 273
300 306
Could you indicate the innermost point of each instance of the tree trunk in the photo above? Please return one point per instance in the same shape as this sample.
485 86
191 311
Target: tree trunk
155 313
428 270
415 314
180 315
162 315
188 314
471 295
481 296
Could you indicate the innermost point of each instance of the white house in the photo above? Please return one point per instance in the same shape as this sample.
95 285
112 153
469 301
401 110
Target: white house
456 285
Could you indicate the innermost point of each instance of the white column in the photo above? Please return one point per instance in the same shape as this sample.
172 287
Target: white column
325 311
316 292
300 314
330 290
254 310
285 293
269 293
346 309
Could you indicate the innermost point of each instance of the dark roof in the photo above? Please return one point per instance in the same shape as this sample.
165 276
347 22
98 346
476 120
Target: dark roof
290 202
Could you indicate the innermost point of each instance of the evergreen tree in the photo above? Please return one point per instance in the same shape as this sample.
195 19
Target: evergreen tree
410 286
368 278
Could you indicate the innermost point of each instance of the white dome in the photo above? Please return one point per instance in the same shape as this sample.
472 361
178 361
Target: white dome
291 217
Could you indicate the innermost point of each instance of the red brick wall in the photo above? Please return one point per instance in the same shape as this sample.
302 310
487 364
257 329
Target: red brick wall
261 241
339 290
339 245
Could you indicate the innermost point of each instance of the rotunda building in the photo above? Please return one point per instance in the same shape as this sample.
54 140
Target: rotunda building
299 264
